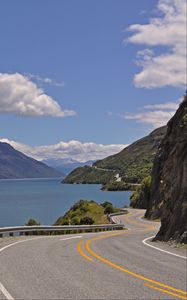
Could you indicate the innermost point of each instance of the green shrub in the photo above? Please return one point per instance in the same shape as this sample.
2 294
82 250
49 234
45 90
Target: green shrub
104 204
75 221
141 197
86 221
32 222
109 209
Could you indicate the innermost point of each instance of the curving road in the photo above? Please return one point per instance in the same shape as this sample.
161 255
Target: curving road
110 265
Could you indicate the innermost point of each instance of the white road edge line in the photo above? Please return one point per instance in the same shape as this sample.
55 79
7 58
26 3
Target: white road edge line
144 220
2 288
144 242
5 292
18 242
71 237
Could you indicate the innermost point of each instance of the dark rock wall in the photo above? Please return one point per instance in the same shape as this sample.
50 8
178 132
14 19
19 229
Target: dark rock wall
169 180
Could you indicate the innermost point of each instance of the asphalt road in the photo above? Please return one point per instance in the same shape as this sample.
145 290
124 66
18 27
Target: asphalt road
110 265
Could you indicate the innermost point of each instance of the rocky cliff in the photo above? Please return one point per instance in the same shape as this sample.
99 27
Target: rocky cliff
169 180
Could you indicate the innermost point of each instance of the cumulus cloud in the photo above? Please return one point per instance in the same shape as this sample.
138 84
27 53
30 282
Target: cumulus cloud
167 67
156 115
73 149
20 96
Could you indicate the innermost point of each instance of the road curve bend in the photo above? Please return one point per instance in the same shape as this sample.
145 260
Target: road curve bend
115 265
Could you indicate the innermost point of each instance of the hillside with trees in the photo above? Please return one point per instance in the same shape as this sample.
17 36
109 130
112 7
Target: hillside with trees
133 163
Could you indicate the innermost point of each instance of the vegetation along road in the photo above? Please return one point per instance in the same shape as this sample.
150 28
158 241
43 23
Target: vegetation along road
115 265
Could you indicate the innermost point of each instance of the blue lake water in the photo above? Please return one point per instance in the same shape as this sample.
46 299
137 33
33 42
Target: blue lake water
47 199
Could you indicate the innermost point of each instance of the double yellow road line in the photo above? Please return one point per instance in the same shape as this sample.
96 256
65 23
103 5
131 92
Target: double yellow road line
156 285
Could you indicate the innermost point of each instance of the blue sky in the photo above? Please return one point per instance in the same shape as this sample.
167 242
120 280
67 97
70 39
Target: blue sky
69 71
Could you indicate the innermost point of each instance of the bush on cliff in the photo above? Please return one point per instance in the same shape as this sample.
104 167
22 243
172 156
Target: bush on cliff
141 197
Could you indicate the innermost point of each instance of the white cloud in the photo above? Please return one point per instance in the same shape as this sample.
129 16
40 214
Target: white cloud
155 118
20 96
169 67
44 80
72 149
164 106
158 115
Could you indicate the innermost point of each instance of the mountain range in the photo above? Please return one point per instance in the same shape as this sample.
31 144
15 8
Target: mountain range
66 165
14 164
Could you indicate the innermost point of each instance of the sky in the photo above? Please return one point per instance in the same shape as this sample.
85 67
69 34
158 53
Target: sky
82 79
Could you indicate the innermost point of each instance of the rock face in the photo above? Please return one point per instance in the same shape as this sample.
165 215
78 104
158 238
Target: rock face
14 164
169 180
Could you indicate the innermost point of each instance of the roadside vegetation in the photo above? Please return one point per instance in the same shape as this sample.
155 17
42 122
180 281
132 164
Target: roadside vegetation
141 196
32 222
85 212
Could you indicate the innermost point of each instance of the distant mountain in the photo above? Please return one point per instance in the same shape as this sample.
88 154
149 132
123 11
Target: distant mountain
132 164
14 164
66 165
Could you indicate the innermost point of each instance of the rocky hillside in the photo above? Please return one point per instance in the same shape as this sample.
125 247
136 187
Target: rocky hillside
14 164
168 198
133 163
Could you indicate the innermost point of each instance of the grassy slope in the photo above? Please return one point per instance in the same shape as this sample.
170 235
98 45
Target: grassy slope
133 163
88 175
83 208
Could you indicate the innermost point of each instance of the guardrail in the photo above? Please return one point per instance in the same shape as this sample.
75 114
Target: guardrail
40 229
122 212
110 216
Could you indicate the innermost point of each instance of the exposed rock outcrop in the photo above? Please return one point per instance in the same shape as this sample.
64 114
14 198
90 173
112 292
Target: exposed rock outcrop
169 180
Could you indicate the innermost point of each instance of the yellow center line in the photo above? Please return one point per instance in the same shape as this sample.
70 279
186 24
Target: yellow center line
110 235
165 291
148 226
79 249
87 246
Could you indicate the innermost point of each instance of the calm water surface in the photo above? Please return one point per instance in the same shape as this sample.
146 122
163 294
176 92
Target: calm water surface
47 199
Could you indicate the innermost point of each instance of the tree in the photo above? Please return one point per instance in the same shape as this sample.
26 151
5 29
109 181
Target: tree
32 222
104 204
109 209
